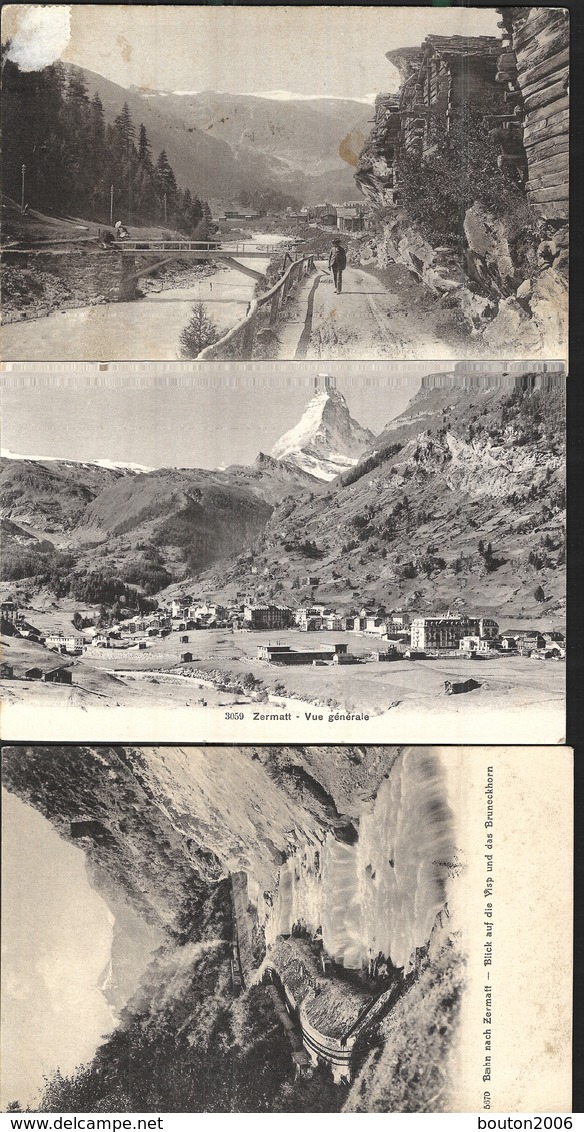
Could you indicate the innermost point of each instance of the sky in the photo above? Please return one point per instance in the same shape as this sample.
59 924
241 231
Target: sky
56 941
187 421
309 50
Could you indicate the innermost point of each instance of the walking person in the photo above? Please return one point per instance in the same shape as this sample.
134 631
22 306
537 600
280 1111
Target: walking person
337 264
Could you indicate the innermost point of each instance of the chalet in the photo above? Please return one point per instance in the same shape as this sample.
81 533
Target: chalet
553 638
455 687
333 622
184 640
6 671
179 607
186 657
399 620
438 79
58 676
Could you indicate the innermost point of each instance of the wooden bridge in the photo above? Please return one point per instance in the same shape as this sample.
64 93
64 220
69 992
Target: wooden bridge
157 253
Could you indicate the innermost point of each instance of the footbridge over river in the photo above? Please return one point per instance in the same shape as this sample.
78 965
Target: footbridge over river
143 257
154 254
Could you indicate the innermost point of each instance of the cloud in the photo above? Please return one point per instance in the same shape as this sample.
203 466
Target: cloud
38 33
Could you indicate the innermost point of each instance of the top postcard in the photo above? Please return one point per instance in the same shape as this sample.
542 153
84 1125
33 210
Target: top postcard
284 183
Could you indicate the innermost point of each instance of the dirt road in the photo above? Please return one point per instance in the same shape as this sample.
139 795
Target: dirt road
370 320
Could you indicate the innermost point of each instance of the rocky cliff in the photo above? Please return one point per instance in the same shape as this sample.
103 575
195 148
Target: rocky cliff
471 462
465 190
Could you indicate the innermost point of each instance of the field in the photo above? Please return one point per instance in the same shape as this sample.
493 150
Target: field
373 688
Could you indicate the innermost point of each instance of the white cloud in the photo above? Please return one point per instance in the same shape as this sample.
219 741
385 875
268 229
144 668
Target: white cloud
39 33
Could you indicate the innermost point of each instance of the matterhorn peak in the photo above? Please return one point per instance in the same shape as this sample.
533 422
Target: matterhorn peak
327 440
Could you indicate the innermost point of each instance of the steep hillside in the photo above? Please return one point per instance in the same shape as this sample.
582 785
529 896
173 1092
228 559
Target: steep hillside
202 162
166 835
51 496
224 144
186 516
295 143
460 502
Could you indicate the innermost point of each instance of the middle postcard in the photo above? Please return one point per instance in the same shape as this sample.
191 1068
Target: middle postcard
266 552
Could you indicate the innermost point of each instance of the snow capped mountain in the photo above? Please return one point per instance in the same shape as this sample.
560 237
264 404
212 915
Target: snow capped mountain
327 440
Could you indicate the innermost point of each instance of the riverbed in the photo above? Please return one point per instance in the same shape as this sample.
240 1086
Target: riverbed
147 329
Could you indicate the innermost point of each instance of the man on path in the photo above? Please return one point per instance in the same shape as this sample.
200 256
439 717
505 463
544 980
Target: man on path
337 264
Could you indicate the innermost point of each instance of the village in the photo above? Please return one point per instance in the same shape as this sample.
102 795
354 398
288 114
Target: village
369 635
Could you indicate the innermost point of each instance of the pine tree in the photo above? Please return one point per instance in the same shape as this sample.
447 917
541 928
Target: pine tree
144 148
198 333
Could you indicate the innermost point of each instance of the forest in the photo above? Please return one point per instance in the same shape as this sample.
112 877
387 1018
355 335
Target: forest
72 156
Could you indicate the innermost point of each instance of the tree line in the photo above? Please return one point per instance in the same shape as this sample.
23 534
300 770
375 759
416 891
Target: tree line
72 156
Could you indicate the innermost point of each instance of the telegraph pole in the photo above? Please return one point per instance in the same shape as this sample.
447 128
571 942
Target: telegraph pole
22 192
165 208
111 204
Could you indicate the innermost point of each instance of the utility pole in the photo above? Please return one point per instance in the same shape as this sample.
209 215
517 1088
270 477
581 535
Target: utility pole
111 204
165 208
22 193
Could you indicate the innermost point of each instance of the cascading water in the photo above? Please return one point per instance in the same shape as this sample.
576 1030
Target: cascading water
382 894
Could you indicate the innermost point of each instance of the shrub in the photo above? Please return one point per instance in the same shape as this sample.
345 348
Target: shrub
436 192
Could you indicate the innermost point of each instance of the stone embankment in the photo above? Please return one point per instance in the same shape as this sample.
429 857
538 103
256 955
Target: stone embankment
40 283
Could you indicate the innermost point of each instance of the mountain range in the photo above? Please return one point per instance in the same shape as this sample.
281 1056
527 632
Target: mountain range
458 500
223 145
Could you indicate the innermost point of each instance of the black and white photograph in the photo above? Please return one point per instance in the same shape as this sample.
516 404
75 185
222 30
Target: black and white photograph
353 929
285 554
284 182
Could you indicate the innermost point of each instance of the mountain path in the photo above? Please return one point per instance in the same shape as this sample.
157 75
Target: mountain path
367 321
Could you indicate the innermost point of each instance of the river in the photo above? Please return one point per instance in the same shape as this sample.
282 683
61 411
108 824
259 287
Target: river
147 329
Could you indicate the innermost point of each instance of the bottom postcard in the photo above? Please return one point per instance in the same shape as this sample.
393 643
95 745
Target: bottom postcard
287 929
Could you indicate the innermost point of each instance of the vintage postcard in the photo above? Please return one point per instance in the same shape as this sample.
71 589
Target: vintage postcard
273 553
354 929
284 182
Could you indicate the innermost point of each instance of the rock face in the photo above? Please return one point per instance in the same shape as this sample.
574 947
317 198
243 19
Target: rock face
327 440
465 461
505 270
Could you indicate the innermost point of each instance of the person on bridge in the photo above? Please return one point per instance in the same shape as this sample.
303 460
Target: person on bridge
337 264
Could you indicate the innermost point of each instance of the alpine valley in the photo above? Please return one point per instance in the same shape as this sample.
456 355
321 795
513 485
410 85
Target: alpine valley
402 517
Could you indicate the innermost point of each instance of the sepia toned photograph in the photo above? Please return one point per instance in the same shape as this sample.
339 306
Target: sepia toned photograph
284 183
351 930
285 554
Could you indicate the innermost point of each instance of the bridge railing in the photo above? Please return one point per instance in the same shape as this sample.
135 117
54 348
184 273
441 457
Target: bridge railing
239 341
234 249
